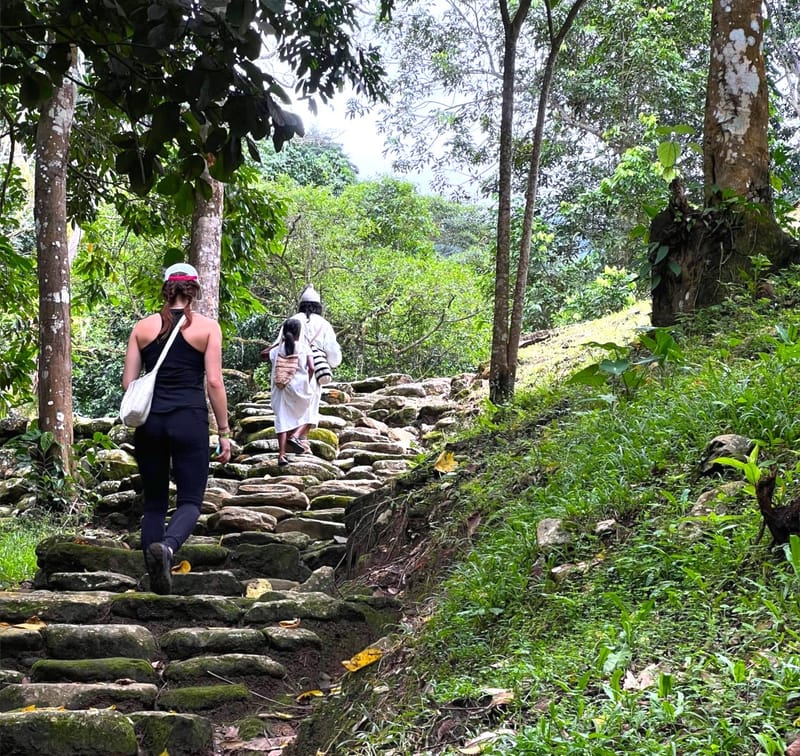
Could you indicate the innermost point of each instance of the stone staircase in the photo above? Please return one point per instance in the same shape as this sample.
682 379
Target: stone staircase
91 662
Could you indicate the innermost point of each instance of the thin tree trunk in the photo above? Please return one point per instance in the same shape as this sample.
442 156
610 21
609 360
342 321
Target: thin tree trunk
501 373
206 245
205 253
50 213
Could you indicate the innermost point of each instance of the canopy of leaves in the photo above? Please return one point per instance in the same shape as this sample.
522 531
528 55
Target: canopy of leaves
186 76
314 160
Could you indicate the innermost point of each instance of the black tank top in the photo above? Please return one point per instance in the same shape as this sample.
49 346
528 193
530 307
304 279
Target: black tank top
181 378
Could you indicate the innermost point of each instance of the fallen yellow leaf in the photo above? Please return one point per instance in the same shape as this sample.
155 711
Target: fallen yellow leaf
34 623
258 587
182 568
446 462
290 623
309 694
362 659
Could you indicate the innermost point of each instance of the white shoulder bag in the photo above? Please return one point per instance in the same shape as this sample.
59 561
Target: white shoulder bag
135 406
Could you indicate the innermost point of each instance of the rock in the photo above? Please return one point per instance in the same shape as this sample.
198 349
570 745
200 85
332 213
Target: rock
270 560
185 642
225 665
726 445
317 606
116 464
317 530
238 519
405 389
91 581
93 670
209 582
65 641
167 732
52 607
98 732
234 540
78 696
148 607
201 698
550 532
291 639
67 556
322 580
12 489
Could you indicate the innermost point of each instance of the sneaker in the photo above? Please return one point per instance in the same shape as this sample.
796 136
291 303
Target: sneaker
295 445
159 565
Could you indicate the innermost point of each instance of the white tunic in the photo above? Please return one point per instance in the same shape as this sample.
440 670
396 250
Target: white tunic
293 404
320 332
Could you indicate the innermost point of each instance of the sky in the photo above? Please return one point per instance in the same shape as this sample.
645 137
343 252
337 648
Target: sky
360 140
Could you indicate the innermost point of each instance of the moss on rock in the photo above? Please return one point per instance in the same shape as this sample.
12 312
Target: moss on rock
200 698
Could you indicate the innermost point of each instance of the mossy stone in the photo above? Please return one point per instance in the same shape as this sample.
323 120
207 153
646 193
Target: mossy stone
200 698
93 670
66 733
325 435
175 734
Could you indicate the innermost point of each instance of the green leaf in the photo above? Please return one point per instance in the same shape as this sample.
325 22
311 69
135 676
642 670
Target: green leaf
170 184
614 367
661 253
216 139
675 268
589 376
166 122
668 153
193 166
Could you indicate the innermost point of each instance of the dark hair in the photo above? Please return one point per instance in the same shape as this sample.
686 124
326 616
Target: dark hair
291 333
171 290
310 308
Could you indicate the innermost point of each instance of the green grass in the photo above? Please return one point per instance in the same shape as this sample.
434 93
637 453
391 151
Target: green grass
18 539
680 635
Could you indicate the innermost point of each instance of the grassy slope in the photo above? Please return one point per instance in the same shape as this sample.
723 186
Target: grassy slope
679 635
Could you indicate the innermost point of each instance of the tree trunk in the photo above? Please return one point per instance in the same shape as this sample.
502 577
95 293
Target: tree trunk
206 245
735 149
50 213
697 254
501 372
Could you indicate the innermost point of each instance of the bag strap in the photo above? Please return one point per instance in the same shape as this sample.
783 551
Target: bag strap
168 344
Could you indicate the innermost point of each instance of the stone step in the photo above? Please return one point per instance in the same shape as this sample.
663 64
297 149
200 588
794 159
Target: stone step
257 618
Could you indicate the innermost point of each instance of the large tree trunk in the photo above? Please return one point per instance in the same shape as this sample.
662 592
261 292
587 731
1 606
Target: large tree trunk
50 213
696 254
735 149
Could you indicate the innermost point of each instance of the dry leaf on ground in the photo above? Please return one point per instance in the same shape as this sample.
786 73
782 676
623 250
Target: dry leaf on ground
362 659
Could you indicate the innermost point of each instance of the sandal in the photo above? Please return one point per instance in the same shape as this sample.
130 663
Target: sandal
295 445
282 461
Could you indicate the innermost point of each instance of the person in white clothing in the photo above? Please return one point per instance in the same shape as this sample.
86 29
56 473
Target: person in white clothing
319 332
293 403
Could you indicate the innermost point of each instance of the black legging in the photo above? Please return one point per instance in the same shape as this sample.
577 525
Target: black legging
182 437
